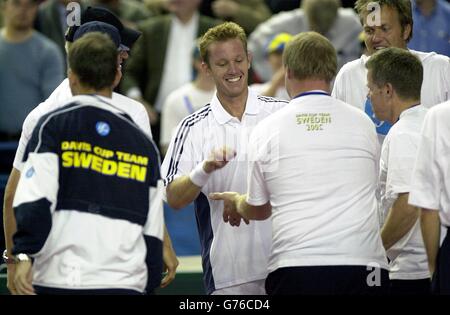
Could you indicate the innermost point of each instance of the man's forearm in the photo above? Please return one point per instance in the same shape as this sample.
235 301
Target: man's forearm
430 225
400 220
181 192
9 221
250 212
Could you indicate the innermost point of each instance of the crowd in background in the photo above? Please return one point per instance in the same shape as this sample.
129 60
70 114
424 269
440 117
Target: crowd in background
163 60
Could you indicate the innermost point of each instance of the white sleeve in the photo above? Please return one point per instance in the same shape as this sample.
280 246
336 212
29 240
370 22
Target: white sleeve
401 158
426 180
155 220
180 157
338 91
39 179
61 94
257 193
27 130
143 122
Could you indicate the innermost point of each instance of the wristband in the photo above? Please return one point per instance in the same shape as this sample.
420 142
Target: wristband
198 175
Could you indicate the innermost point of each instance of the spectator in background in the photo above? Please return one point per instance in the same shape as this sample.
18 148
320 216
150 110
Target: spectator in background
247 13
277 6
31 66
276 86
130 12
162 58
51 21
431 30
185 101
157 7
341 26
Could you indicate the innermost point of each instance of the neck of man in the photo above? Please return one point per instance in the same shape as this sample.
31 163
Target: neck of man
235 106
426 6
401 106
302 86
106 92
185 17
15 35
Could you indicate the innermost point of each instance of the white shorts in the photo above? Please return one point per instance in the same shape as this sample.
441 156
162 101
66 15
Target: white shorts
249 288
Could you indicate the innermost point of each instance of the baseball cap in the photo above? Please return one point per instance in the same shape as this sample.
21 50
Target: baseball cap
278 42
101 27
128 36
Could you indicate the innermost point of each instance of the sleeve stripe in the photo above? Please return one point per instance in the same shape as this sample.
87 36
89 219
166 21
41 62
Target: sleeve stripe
180 139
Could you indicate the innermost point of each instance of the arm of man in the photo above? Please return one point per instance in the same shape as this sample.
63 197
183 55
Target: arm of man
170 260
9 224
430 225
400 220
33 204
185 189
242 207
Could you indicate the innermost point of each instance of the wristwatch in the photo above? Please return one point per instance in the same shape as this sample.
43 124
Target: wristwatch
21 258
7 259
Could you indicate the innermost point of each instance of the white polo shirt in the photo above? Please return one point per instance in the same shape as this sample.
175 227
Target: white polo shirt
408 258
430 187
230 255
316 162
350 85
58 98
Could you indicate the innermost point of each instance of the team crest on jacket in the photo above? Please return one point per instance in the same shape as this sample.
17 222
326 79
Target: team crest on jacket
102 128
30 172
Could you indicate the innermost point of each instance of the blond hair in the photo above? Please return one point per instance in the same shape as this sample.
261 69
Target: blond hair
221 33
310 55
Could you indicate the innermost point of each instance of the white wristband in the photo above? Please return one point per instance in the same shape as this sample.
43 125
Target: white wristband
198 175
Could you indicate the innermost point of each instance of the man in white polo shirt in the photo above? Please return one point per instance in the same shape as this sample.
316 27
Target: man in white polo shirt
208 153
394 81
393 30
431 191
315 174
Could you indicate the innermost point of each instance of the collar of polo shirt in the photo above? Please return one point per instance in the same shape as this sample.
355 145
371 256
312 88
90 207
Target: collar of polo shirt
222 116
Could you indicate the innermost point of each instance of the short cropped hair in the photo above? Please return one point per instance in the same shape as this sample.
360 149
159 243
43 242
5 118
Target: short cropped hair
400 68
403 8
221 33
94 59
310 55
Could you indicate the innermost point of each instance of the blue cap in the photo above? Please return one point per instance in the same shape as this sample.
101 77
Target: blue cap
101 27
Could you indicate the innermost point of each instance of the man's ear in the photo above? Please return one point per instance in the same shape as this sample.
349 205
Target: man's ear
118 77
249 58
206 68
406 32
389 90
73 81
289 73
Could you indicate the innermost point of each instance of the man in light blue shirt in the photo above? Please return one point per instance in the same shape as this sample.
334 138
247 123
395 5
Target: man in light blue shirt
431 30
31 66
